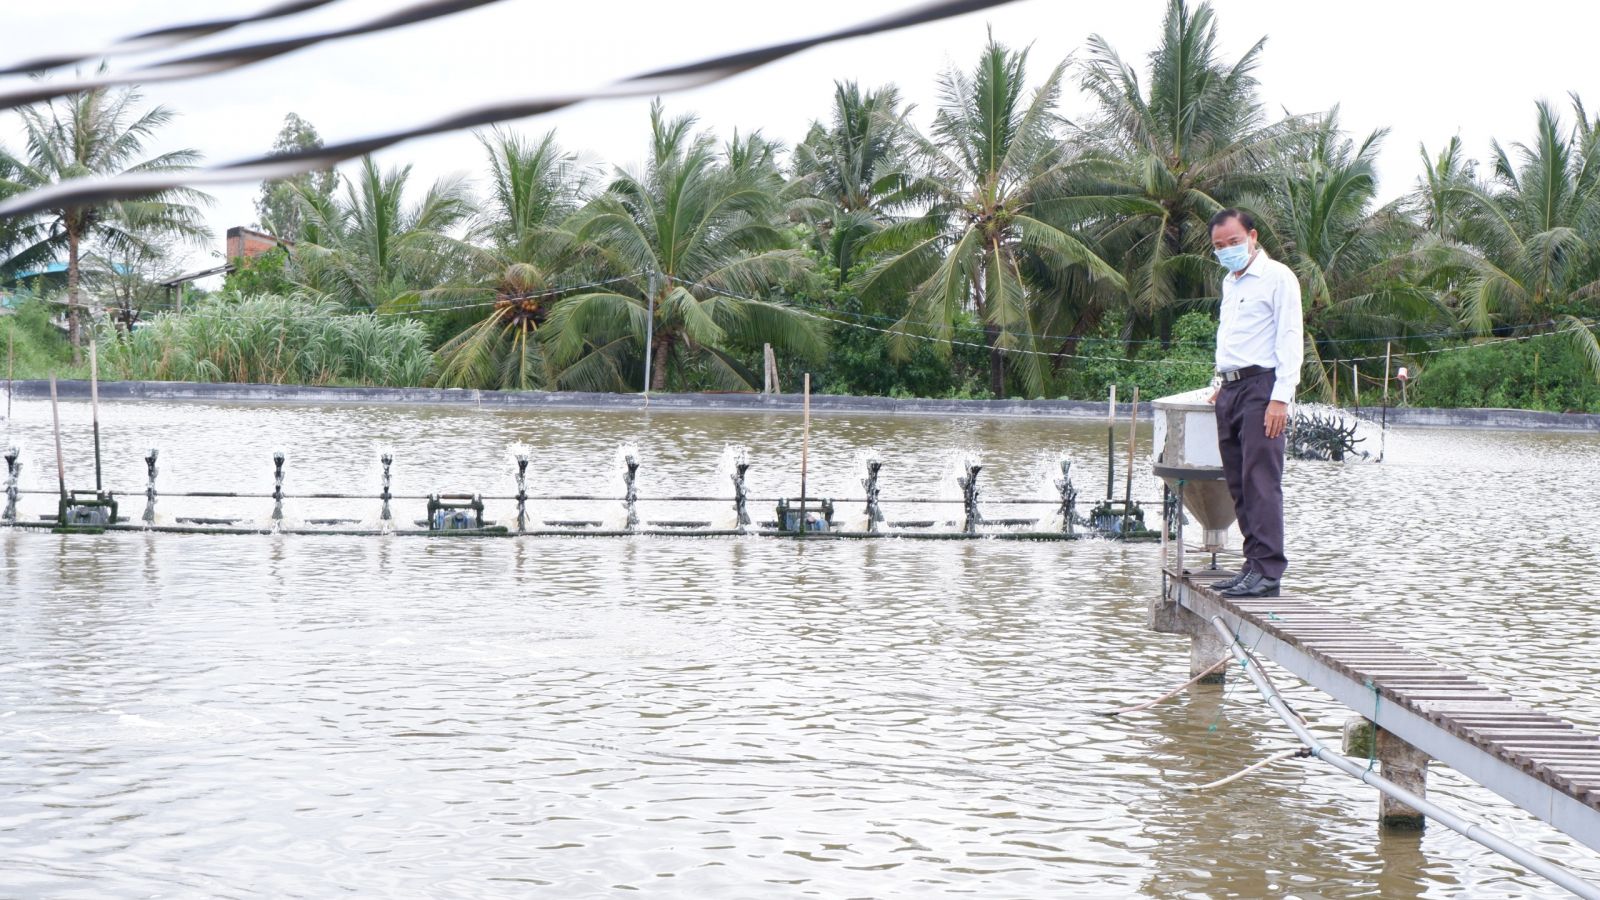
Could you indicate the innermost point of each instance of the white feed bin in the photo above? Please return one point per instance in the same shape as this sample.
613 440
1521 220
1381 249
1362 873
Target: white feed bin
1186 457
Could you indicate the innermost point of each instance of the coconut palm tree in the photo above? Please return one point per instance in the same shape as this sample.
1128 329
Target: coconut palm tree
100 133
1529 259
372 250
1436 202
1354 258
20 247
520 254
857 165
696 235
1170 153
996 165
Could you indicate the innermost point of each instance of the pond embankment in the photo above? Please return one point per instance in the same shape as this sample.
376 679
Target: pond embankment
172 391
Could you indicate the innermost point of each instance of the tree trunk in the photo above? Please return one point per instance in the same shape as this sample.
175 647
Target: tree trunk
72 297
658 362
997 362
1087 322
991 335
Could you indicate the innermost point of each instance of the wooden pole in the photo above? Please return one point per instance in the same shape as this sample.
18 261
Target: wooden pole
650 332
11 363
55 416
94 407
1355 384
1336 384
1383 440
1111 445
805 448
1133 440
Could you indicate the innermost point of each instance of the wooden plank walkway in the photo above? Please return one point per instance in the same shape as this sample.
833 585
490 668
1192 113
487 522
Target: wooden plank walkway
1540 762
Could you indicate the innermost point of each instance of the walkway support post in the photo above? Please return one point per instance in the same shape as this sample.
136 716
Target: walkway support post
1407 767
1459 824
1167 616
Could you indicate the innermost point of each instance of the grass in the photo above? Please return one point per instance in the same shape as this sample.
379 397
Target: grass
268 339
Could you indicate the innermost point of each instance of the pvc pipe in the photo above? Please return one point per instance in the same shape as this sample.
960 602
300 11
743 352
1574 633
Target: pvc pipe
1514 852
1278 757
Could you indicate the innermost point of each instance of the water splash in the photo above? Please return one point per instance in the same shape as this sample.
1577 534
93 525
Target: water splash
620 515
724 482
1369 436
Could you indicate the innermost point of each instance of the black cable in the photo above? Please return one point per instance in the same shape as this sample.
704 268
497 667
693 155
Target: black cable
165 36
94 191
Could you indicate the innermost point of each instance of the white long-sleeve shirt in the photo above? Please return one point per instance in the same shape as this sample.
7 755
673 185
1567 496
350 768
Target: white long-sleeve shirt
1260 323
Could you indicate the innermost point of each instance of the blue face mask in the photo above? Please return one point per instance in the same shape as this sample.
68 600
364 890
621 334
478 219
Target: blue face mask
1234 258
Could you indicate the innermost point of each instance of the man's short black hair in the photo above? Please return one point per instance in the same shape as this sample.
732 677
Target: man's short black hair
1246 221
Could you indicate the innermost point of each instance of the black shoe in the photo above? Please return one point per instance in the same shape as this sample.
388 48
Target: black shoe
1254 585
1231 581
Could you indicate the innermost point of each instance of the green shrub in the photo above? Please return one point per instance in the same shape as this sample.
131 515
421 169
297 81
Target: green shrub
1186 365
37 347
267 339
1545 373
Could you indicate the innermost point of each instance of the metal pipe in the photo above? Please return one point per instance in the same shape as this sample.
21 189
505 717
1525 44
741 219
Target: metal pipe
1445 817
687 498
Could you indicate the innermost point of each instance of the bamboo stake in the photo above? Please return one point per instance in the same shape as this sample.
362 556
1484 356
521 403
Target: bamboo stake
11 364
55 416
94 406
805 448
1383 440
1133 439
1111 445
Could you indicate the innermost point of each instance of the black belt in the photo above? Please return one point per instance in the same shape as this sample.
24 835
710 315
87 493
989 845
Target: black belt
1246 372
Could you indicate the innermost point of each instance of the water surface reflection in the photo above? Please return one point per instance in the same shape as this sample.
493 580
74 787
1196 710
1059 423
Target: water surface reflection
303 716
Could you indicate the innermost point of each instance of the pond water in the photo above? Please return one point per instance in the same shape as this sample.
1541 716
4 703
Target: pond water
304 716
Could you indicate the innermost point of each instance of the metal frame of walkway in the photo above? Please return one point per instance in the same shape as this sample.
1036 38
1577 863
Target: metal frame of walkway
1542 763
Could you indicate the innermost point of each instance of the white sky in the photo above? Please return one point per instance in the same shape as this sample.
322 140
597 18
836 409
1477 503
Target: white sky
1426 70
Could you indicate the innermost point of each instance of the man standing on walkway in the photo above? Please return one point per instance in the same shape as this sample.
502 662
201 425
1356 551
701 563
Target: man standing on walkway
1259 352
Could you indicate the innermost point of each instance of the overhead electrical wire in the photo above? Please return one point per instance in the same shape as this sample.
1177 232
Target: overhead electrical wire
158 38
91 191
215 62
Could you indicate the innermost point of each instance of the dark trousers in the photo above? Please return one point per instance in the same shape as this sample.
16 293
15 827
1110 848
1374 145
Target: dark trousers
1253 467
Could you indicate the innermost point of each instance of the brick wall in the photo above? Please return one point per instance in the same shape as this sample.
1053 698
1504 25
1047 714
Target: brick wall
249 243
